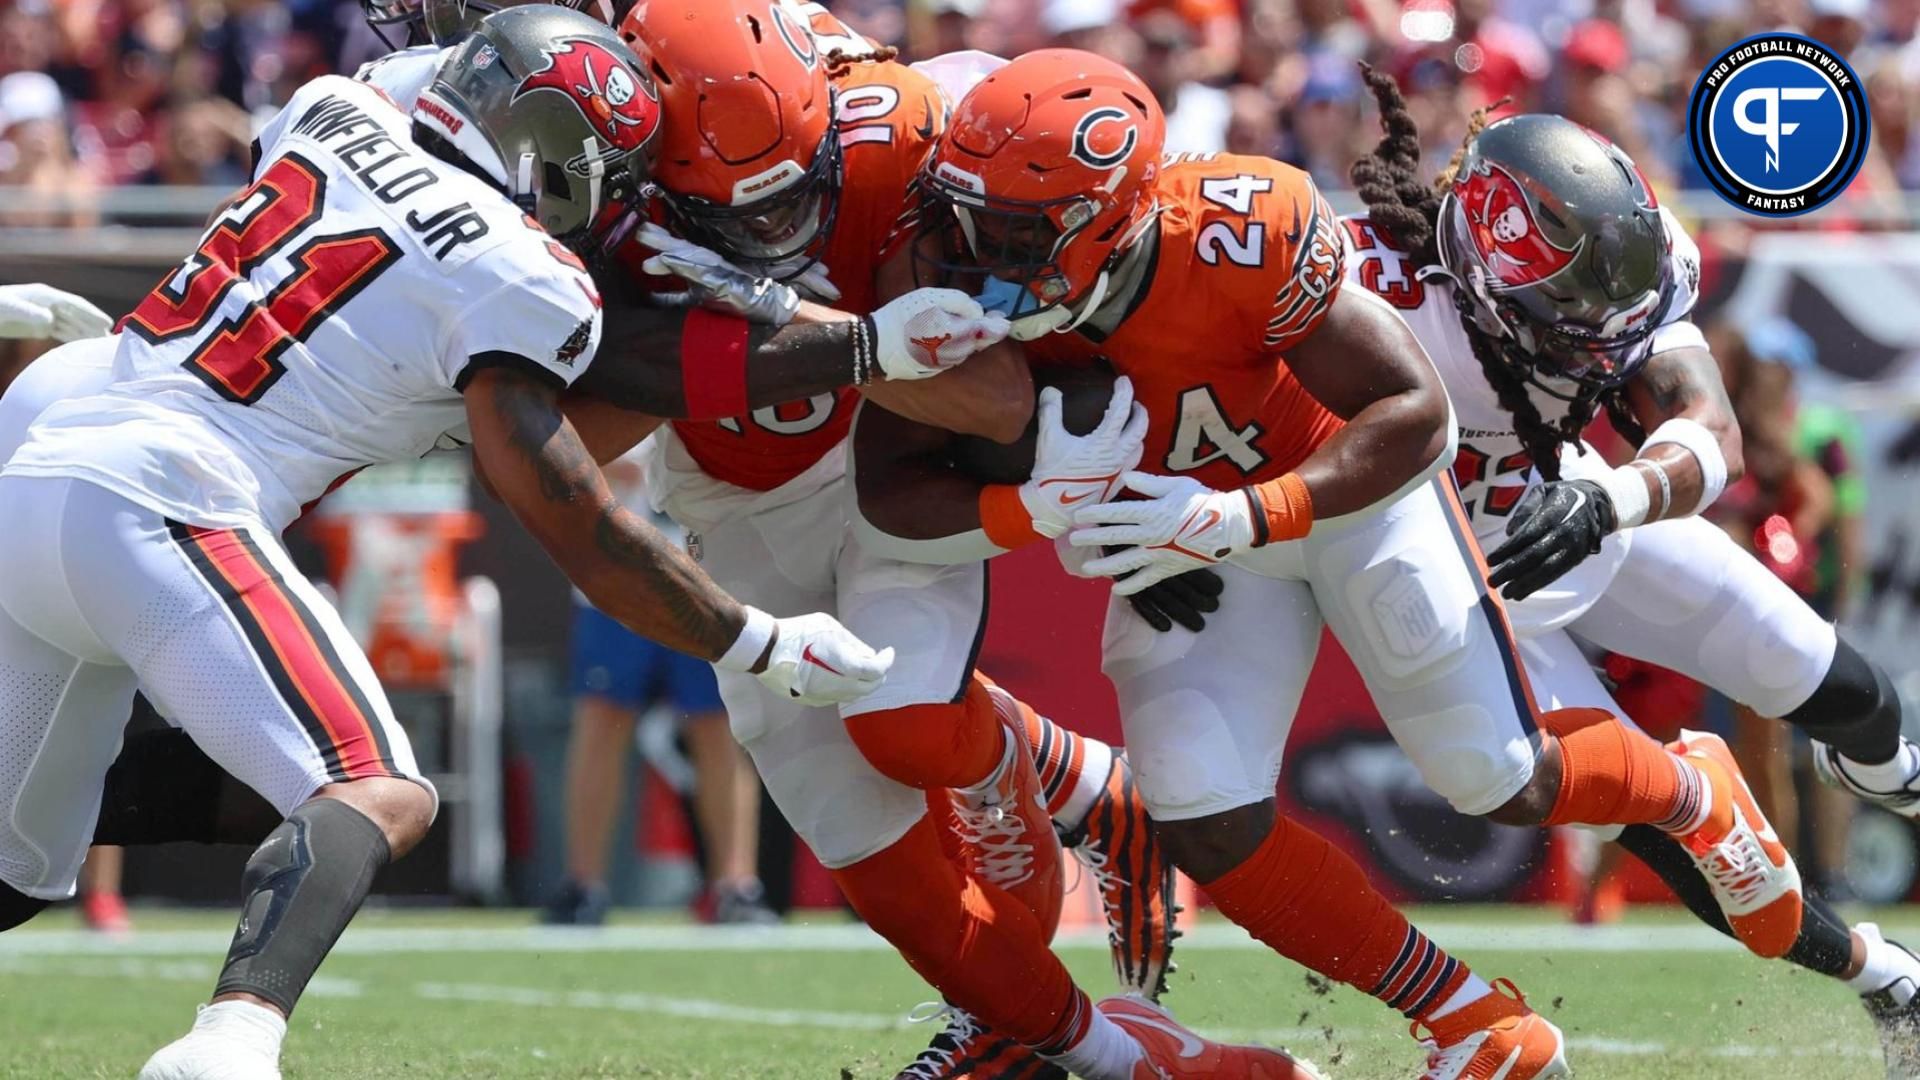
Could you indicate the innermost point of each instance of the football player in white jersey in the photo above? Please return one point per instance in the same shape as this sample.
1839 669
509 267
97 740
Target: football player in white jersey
1545 283
276 360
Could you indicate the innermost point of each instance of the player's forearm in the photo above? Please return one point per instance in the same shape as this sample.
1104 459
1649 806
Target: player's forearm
546 476
911 504
991 396
639 578
691 364
1693 448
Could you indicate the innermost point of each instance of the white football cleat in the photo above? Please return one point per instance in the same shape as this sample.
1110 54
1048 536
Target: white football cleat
1834 771
231 1040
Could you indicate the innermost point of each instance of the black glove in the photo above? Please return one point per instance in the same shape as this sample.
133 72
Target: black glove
1183 598
1554 527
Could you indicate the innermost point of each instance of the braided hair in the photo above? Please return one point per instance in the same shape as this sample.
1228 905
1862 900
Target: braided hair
1408 212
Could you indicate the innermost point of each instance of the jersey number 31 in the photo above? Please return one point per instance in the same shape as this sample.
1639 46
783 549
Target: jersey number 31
240 358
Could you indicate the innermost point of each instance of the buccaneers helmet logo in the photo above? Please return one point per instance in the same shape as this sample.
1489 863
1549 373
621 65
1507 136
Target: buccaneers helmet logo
621 107
1504 230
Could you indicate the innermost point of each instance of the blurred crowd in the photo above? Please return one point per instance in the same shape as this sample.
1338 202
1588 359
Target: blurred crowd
113 92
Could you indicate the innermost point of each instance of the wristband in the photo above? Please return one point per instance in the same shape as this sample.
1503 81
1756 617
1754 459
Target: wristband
1005 518
1658 472
1705 449
1282 510
713 365
1626 488
746 649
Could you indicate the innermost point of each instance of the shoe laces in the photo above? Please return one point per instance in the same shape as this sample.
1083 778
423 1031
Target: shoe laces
1094 857
947 1047
997 835
1738 867
1450 1062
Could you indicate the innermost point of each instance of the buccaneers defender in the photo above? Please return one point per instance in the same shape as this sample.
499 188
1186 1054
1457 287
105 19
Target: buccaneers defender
1617 556
1214 283
269 364
791 148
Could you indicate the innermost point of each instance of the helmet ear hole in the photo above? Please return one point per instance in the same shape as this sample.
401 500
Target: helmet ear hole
554 181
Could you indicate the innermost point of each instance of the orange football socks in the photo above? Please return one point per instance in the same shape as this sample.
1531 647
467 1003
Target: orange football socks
1613 774
1311 903
977 945
943 745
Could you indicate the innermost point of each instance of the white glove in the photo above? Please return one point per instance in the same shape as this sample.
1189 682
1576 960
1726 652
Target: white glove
1071 471
1182 524
717 283
814 659
928 331
42 312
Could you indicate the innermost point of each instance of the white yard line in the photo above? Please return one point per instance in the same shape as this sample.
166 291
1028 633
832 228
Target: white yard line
1305 1040
835 937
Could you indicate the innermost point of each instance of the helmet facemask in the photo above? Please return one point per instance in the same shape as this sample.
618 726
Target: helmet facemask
1008 253
782 234
409 15
1562 357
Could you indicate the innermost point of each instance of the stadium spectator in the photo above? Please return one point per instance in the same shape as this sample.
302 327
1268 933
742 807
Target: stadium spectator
1197 114
36 156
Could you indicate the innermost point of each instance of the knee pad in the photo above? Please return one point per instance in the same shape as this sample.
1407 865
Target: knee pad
939 745
1854 709
17 907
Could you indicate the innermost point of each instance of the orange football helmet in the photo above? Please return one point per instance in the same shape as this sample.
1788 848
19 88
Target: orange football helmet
1044 175
750 156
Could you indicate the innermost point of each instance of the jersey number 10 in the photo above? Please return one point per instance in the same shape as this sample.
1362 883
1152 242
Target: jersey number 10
240 358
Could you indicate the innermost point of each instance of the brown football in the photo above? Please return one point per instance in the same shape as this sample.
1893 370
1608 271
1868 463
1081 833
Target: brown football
1084 393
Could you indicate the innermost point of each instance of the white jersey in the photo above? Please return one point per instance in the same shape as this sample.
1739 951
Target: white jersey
328 321
403 74
1493 469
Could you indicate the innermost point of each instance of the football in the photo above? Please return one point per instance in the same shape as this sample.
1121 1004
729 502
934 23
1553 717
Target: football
1084 393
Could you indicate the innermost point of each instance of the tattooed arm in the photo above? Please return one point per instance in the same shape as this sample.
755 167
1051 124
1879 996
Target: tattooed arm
1683 383
539 467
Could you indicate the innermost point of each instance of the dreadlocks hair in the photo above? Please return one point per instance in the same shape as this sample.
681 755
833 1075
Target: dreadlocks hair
1408 212
1388 179
839 60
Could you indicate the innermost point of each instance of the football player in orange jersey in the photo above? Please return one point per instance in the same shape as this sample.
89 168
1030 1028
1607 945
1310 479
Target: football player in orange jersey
1298 435
790 149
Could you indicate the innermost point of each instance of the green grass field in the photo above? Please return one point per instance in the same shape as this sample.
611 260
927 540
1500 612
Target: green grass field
461 994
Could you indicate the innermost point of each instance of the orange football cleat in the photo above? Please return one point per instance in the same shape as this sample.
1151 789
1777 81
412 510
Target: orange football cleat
965 1050
1118 847
1007 833
1495 1038
1172 1052
1752 875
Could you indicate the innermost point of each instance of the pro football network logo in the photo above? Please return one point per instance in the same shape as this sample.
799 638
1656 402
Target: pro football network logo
1779 124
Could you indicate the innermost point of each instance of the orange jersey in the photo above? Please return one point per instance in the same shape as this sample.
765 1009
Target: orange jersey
1248 262
889 116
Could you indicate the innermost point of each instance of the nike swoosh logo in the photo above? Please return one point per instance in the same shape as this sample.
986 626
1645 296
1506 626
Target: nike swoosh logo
925 130
1294 236
1075 491
806 654
1190 1047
